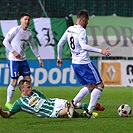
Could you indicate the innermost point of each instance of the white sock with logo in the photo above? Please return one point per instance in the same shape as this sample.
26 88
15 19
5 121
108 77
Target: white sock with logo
10 92
82 94
95 95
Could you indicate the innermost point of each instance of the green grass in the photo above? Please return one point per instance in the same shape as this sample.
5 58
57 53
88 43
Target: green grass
107 121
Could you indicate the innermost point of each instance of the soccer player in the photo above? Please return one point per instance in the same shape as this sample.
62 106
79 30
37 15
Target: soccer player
85 71
34 102
16 42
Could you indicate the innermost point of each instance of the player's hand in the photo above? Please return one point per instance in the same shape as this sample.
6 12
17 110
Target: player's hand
17 55
59 62
4 114
106 51
41 63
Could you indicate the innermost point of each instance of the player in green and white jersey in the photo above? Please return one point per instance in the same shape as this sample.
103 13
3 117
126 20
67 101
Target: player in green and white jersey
34 102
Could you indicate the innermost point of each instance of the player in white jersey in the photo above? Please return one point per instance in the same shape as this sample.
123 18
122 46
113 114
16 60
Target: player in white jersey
16 42
85 71
34 102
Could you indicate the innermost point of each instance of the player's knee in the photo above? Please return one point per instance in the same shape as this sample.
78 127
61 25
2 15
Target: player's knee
91 87
27 78
14 82
101 85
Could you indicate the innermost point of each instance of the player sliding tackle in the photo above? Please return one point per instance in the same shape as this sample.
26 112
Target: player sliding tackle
34 102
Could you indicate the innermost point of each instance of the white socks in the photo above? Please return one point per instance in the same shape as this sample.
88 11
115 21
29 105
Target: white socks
95 95
10 92
82 94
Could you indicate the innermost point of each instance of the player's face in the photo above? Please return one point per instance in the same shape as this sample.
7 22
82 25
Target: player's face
25 21
27 89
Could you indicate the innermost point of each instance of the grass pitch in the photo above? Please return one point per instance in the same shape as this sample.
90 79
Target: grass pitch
107 121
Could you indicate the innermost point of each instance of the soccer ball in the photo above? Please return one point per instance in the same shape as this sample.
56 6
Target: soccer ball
124 110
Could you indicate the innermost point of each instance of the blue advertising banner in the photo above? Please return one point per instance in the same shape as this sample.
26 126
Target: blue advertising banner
50 75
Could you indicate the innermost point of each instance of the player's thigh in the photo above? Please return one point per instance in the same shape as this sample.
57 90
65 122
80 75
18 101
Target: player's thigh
87 73
96 78
24 69
59 105
14 69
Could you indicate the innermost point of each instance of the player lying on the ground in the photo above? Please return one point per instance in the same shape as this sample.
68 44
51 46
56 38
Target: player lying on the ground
34 102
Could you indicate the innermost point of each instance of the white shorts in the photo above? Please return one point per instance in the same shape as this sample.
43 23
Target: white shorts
59 105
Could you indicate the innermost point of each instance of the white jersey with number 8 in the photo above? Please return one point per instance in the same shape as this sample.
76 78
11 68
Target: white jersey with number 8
77 40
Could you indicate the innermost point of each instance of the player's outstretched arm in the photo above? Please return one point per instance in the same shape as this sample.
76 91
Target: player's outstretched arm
4 114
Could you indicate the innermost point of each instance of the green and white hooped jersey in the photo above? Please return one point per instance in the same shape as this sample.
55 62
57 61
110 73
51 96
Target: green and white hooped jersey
36 104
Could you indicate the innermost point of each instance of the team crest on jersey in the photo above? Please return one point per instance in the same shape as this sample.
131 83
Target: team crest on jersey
33 101
9 35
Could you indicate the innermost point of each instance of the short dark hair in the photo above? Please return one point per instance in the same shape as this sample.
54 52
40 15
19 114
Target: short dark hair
25 14
83 14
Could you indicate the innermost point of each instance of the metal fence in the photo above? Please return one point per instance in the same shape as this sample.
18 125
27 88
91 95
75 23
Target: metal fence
62 8
11 9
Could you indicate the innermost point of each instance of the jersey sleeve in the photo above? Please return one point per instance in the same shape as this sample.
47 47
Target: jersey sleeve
83 43
61 43
33 46
15 108
8 38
